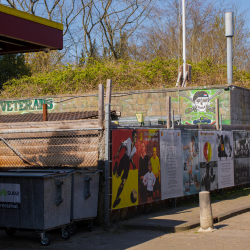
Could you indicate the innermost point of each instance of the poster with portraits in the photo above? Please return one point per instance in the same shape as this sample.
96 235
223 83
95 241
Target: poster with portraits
149 168
171 164
241 157
136 169
208 160
191 164
224 144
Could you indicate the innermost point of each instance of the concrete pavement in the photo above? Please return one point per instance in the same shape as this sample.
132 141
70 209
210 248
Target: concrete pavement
232 233
182 219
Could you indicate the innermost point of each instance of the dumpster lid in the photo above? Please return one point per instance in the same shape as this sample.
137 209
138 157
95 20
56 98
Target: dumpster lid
33 174
60 171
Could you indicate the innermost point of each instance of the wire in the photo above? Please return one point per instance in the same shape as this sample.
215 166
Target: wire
19 154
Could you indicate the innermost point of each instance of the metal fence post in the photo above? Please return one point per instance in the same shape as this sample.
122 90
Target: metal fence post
107 159
168 111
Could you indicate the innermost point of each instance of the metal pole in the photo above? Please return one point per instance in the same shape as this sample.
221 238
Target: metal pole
229 25
107 158
221 122
45 112
184 36
168 111
217 113
172 119
229 60
101 105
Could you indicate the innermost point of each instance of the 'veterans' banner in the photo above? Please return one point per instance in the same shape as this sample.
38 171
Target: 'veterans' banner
241 157
171 164
224 144
191 164
136 170
208 160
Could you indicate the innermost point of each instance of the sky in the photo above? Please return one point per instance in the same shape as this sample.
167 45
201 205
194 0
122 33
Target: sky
244 6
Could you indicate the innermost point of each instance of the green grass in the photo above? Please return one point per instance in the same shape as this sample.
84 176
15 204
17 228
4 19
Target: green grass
125 75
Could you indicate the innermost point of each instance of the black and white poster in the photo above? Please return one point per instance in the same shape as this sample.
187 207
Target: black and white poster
241 157
224 144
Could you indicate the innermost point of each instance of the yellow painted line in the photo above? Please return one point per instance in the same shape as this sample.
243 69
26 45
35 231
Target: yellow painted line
30 17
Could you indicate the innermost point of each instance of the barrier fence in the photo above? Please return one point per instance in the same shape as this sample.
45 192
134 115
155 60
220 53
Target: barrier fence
156 164
55 148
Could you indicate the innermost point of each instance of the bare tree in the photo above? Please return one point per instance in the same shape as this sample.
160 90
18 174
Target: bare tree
205 33
119 21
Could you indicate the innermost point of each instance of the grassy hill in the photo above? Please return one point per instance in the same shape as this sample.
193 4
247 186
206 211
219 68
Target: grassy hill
126 75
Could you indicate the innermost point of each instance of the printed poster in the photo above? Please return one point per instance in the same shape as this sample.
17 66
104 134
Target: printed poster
149 175
136 170
208 160
191 165
241 157
225 160
171 164
124 168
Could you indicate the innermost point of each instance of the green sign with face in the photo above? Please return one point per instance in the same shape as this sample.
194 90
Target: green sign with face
198 106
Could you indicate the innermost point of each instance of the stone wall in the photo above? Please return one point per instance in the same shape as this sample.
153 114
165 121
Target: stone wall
151 102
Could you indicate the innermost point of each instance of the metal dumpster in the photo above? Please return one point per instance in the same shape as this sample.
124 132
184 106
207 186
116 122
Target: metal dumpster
85 189
35 200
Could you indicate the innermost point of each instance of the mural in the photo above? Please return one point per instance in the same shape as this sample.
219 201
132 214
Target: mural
199 105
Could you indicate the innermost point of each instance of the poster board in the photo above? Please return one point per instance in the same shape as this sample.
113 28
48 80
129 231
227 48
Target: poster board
171 164
241 157
225 159
208 160
132 182
191 163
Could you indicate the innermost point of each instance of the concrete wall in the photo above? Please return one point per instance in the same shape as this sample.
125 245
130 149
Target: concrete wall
240 106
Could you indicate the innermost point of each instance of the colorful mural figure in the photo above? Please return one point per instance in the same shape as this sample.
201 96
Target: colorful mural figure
200 104
124 165
135 167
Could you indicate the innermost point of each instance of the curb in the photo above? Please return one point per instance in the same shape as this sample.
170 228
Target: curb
176 229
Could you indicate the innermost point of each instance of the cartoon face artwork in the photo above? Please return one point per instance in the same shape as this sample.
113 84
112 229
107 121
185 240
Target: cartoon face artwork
201 101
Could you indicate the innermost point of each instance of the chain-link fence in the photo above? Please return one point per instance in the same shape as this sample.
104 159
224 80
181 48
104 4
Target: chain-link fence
55 148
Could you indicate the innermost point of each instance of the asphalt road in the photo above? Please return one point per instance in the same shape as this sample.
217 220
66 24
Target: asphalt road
233 233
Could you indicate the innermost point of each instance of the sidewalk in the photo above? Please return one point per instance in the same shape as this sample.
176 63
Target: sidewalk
181 219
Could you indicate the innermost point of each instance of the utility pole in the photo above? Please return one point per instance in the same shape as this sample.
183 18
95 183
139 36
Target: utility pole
184 36
229 20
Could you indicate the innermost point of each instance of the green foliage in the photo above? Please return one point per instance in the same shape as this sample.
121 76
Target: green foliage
126 75
13 67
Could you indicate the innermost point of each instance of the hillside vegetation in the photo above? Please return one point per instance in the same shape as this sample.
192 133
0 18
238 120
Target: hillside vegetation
125 74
